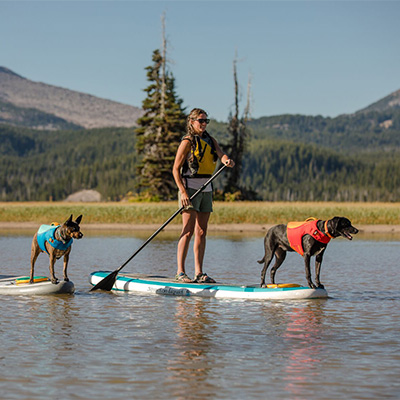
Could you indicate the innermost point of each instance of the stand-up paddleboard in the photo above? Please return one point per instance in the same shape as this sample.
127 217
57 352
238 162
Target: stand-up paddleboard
162 285
19 285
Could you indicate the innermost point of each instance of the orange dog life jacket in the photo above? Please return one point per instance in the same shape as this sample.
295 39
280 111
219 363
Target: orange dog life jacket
297 230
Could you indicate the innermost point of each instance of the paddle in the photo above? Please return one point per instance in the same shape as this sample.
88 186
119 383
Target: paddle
108 282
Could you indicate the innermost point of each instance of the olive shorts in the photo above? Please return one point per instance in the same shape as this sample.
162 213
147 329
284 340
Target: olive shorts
203 202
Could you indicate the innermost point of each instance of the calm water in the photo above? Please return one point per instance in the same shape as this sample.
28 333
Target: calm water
116 346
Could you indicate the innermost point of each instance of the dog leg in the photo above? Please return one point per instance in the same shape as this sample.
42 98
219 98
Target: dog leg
318 262
280 256
270 245
34 256
51 267
35 251
264 271
66 259
269 254
307 259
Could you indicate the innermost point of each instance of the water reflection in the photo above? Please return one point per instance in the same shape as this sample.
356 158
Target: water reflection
53 323
192 364
303 334
297 343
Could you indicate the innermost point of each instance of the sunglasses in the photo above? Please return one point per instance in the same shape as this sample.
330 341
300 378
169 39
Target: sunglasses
202 121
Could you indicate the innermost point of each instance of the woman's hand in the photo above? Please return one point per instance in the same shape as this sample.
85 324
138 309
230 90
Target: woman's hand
228 162
185 201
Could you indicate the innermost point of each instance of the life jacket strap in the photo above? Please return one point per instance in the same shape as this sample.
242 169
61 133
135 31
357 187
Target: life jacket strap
198 176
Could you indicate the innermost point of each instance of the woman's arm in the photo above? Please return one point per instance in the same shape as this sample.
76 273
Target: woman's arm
222 156
180 158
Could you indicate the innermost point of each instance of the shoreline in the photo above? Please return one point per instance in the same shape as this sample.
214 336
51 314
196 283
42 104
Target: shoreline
260 228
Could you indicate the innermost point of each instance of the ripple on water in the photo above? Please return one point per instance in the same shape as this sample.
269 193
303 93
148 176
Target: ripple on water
105 345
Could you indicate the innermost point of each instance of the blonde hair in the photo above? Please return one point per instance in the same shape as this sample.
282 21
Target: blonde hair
194 114
191 117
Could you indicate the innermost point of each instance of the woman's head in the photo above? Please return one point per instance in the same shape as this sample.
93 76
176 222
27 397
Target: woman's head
197 121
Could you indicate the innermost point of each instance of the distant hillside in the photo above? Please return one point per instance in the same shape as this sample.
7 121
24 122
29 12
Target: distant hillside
374 128
349 133
32 118
43 165
385 104
41 106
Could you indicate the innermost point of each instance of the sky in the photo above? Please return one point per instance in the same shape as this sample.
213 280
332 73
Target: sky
302 57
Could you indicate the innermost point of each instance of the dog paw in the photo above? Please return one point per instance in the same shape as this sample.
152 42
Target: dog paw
320 286
54 281
66 279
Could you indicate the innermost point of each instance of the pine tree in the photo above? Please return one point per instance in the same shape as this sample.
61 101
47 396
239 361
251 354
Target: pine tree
160 130
238 142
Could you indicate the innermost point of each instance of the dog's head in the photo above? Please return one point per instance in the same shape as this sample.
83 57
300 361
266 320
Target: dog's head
341 226
71 228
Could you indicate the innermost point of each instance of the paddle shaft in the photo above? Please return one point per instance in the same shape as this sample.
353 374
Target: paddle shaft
113 275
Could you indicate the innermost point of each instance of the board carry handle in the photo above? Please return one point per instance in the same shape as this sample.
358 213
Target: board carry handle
108 282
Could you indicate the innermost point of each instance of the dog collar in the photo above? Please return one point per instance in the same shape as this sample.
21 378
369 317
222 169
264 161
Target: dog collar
326 230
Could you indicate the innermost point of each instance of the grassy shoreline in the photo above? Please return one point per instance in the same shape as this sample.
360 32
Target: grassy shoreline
257 213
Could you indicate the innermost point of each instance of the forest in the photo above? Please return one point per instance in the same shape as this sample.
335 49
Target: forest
288 157
40 165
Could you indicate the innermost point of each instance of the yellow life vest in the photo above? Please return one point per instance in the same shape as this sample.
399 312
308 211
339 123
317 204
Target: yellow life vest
202 159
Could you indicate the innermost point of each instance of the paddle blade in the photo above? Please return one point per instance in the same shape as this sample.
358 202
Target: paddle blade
106 283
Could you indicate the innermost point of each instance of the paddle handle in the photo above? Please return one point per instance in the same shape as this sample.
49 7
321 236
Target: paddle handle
170 218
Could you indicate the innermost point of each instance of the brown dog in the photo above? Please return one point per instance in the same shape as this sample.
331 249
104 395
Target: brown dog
56 241
310 241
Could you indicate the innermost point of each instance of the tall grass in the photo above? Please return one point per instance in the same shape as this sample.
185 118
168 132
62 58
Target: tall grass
224 213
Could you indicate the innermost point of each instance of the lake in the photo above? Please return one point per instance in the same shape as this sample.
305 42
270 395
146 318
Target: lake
100 345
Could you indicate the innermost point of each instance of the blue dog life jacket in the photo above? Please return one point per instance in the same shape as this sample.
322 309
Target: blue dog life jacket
46 233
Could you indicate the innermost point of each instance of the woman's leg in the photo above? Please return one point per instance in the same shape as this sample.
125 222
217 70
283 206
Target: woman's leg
188 225
199 246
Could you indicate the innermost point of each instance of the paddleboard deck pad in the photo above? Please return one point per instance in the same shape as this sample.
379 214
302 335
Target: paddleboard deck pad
128 282
19 285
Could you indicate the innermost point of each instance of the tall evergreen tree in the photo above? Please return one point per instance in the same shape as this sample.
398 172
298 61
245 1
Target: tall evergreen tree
159 131
238 141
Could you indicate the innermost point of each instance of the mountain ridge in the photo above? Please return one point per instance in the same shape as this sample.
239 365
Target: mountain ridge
390 101
76 108
38 105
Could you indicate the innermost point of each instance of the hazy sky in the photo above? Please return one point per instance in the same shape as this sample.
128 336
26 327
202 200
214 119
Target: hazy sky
305 57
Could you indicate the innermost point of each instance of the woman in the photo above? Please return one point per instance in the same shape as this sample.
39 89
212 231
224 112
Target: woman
194 164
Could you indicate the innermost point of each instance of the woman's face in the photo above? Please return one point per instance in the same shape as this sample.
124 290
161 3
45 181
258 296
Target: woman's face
200 124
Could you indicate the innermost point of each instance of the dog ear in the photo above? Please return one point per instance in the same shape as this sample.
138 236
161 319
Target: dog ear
78 220
68 220
335 223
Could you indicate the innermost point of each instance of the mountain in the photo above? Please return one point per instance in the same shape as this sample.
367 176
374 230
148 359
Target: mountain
41 106
385 104
37 105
